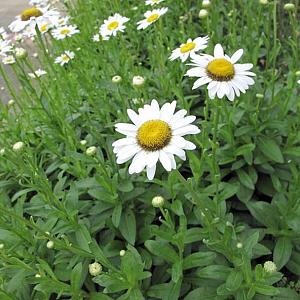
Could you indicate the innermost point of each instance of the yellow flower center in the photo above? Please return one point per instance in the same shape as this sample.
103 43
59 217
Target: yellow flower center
154 135
113 25
29 13
65 57
152 18
44 27
187 47
65 31
220 69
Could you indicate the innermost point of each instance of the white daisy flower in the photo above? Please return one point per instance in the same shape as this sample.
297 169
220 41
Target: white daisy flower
112 25
62 32
153 2
5 47
65 58
151 17
38 73
8 60
156 134
190 47
33 15
3 33
62 21
222 74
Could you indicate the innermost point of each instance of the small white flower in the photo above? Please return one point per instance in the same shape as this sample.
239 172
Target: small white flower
151 17
96 38
8 60
65 58
116 79
90 151
270 266
203 13
37 276
158 201
2 151
11 102
62 32
153 2
17 147
222 74
188 48
1 246
122 253
38 73
112 25
95 269
138 80
263 2
239 245
156 135
5 47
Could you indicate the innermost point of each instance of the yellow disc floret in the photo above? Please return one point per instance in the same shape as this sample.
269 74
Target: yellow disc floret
220 69
65 31
187 47
154 135
113 25
152 18
30 13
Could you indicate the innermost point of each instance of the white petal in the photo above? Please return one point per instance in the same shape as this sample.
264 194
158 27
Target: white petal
236 56
218 51
196 72
165 160
178 140
178 115
152 158
167 111
124 142
151 172
183 122
201 81
189 146
190 129
138 163
243 67
134 117
175 150
128 151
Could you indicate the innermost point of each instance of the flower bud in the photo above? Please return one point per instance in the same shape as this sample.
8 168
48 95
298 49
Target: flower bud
239 245
37 276
203 13
289 7
95 269
116 79
138 80
298 73
83 142
259 96
122 252
263 2
17 147
90 151
11 102
1 246
50 244
206 3
270 267
2 151
21 53
158 201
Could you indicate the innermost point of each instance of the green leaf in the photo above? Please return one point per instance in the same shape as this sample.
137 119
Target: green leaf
205 293
76 276
214 272
116 215
128 226
266 289
234 280
282 252
198 259
270 149
162 250
245 179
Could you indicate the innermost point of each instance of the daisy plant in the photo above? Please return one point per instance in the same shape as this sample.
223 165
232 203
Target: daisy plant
155 135
151 17
190 47
222 74
112 25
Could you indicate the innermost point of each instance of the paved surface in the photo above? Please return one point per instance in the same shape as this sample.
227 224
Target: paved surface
9 9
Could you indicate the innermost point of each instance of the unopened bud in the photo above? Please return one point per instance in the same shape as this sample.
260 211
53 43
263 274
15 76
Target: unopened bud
158 201
95 269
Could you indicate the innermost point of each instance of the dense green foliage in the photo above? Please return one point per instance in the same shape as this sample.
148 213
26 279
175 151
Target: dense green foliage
230 207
